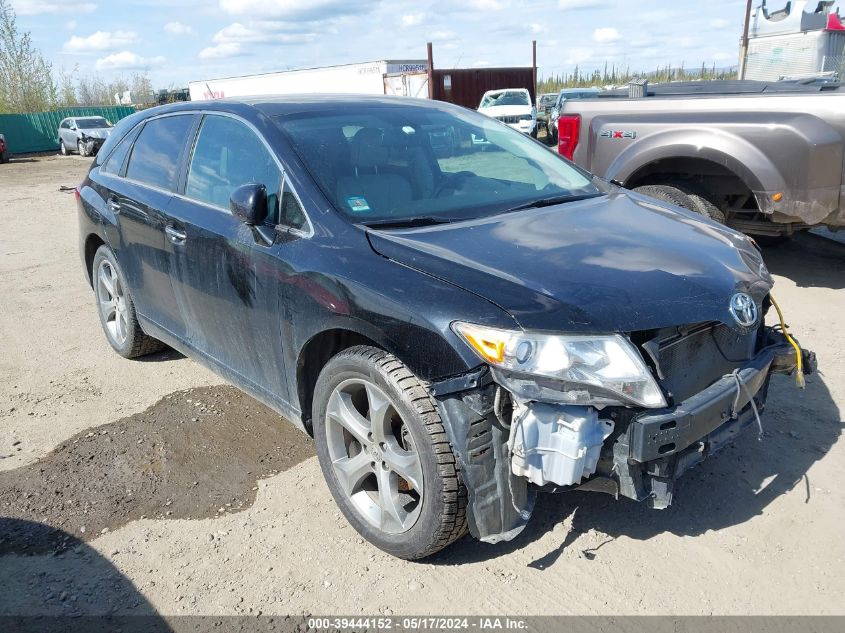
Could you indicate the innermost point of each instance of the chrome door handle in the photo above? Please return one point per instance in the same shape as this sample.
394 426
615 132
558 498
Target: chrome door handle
113 205
176 236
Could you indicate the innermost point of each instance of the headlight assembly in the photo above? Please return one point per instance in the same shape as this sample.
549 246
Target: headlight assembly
601 369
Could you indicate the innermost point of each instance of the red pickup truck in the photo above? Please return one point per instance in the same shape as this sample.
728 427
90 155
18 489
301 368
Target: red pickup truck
4 150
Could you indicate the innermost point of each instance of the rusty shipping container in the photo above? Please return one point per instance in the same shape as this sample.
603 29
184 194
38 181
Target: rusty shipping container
466 86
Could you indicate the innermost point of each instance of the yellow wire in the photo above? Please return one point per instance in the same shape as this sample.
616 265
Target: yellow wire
799 370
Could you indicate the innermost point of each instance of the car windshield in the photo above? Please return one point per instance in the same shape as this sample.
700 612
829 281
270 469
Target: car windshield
576 94
505 98
92 123
405 162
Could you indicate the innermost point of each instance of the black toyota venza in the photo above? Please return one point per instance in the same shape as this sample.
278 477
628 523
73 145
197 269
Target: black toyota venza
460 317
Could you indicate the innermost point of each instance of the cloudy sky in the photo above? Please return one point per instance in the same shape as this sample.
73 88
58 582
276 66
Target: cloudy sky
176 41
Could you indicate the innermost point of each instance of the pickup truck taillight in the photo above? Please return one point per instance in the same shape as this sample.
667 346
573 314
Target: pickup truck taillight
568 129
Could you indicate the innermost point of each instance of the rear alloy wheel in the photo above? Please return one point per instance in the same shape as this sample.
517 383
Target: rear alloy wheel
385 455
116 309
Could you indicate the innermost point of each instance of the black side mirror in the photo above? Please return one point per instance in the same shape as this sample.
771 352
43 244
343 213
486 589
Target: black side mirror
248 203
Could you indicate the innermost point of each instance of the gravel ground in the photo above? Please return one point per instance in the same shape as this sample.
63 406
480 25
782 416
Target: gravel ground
174 460
218 508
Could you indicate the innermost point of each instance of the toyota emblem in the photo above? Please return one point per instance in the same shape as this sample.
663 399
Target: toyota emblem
743 309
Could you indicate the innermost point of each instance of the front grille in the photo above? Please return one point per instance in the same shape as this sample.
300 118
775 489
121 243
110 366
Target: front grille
513 118
693 357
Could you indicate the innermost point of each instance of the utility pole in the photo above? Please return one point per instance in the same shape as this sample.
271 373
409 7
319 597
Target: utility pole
430 71
534 65
743 48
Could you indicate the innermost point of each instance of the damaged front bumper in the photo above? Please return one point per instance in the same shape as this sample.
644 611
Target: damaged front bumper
640 452
92 145
660 445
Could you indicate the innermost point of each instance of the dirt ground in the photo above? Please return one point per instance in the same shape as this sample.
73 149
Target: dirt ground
149 486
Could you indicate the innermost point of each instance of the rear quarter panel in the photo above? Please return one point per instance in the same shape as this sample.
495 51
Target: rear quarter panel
788 143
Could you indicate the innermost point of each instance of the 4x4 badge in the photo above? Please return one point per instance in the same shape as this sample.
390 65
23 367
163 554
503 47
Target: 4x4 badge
618 134
743 309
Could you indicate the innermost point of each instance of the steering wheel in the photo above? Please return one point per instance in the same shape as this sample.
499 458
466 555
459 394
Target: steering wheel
451 182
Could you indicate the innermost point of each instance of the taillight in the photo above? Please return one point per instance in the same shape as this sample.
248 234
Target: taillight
568 130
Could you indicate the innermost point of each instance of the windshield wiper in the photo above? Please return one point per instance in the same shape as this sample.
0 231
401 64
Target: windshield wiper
549 202
402 223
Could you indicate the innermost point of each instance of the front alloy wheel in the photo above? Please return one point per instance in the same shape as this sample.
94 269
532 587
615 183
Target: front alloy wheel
385 455
373 456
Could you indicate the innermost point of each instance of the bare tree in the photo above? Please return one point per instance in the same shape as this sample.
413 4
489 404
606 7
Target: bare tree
141 89
26 77
93 90
67 88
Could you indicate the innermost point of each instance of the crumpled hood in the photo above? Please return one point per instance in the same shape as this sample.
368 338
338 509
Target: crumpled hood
615 263
506 110
97 132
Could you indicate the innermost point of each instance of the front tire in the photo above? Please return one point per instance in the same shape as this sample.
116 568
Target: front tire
116 309
62 148
80 147
385 455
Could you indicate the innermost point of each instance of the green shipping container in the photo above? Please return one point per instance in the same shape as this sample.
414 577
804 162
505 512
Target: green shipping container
38 132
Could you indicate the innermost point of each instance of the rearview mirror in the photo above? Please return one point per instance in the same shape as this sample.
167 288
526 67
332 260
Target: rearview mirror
248 203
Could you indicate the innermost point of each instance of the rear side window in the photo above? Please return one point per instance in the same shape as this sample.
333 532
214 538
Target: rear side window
155 155
118 156
227 155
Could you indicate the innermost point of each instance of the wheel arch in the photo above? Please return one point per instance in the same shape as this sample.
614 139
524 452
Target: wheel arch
651 173
92 243
694 149
316 352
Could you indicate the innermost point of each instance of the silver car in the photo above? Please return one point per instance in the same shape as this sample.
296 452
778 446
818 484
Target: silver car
562 97
83 134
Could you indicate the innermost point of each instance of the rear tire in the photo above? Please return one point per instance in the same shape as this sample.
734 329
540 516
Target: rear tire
667 193
685 197
116 309
700 200
706 208
393 422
